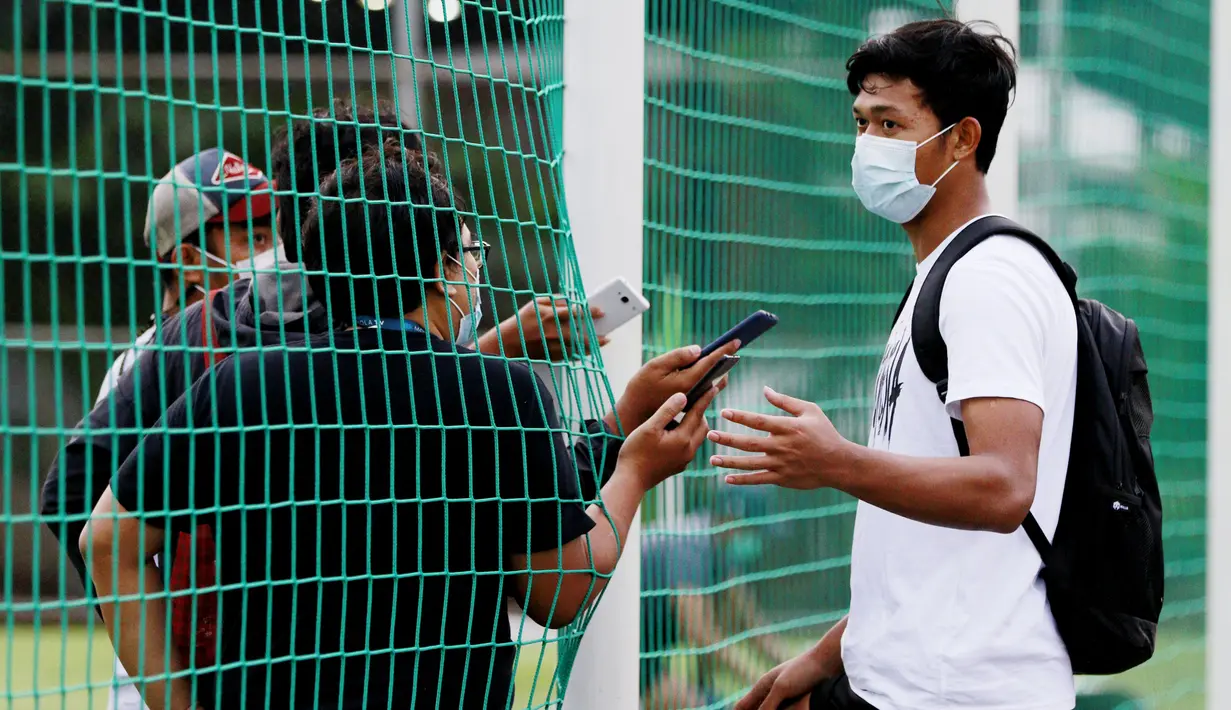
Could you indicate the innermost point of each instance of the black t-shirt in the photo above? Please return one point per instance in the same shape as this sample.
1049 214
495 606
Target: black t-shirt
365 501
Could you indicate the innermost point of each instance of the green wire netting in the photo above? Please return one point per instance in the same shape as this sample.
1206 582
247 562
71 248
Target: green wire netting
748 206
100 99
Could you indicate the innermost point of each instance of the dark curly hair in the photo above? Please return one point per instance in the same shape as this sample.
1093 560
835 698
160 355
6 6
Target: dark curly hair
313 148
377 230
960 72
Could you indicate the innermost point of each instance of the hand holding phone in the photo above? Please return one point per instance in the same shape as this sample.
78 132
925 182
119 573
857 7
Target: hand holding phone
746 331
720 368
619 302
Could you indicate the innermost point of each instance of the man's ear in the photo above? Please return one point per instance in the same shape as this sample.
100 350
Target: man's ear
188 259
444 289
966 137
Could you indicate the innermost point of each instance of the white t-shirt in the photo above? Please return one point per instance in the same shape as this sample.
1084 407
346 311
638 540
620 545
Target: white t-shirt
124 363
943 618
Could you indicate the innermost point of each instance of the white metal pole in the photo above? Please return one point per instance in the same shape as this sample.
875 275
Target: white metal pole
604 94
1218 363
1002 179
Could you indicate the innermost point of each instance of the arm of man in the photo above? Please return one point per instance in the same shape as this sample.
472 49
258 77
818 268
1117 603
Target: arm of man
556 584
792 682
120 549
996 316
160 488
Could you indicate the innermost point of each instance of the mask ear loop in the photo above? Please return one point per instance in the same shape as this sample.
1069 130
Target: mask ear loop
938 135
942 175
951 167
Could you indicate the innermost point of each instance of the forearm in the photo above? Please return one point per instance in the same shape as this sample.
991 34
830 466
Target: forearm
621 497
970 492
565 581
489 342
827 652
138 628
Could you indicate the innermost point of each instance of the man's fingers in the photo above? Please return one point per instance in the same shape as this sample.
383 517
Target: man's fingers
741 463
698 409
668 411
760 478
761 422
676 359
788 404
743 442
721 384
603 340
773 699
703 365
753 699
596 312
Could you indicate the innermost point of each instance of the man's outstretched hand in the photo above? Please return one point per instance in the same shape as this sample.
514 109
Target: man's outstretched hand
803 450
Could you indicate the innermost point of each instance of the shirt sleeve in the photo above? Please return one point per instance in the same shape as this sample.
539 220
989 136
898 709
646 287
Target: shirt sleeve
84 467
995 313
596 453
170 475
543 508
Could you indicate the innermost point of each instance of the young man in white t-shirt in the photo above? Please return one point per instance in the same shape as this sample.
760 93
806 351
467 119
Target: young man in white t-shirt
947 609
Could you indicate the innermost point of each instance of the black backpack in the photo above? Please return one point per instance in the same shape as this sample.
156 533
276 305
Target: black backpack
1104 567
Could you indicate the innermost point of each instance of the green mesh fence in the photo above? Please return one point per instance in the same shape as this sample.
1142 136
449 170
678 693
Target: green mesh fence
99 100
748 206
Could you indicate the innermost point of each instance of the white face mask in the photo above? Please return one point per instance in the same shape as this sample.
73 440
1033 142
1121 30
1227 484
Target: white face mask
883 175
468 329
244 268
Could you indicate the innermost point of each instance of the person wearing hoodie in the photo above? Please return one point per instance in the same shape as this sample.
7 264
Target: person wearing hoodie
382 476
205 220
208 219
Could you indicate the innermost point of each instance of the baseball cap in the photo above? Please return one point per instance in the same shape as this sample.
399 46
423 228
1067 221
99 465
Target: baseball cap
212 186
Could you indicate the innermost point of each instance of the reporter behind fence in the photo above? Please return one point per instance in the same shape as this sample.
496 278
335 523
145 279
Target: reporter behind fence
379 492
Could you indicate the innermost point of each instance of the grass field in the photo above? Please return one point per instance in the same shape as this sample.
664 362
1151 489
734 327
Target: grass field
50 670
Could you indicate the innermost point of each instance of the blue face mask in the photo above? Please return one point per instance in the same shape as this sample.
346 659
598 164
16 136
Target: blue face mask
468 329
883 175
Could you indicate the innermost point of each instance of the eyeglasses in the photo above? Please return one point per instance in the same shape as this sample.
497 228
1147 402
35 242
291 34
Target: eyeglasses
481 250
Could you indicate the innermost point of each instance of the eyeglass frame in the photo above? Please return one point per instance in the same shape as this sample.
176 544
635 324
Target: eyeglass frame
481 246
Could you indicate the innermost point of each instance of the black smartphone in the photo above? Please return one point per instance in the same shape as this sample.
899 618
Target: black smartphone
746 331
720 368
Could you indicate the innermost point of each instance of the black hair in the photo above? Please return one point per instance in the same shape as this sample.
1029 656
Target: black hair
959 71
378 227
332 135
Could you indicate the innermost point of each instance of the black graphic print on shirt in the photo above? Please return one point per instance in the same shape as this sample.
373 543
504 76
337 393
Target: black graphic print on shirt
889 385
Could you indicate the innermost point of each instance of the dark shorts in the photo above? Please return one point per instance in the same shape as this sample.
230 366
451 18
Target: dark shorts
836 694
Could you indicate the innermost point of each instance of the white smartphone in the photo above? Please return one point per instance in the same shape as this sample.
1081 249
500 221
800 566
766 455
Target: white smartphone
619 302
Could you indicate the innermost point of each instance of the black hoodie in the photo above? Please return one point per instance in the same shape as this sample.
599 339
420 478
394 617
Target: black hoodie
269 311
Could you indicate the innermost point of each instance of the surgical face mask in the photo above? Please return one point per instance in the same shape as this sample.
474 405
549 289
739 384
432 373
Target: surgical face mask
468 329
883 175
264 261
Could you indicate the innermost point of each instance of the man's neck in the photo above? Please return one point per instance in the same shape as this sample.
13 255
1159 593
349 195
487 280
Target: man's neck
944 215
171 301
417 316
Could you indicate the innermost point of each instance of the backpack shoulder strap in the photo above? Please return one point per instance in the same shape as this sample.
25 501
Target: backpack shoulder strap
929 346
